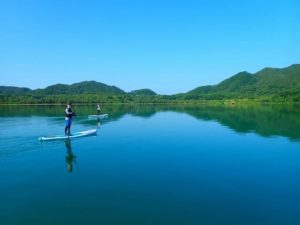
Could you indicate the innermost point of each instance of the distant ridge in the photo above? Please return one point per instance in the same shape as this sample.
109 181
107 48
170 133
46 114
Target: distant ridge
268 81
144 92
10 90
85 87
269 84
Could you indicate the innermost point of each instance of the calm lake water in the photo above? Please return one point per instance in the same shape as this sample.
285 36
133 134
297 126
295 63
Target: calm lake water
151 165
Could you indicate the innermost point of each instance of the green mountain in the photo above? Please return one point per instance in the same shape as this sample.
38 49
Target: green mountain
143 92
9 90
267 85
85 87
53 89
267 82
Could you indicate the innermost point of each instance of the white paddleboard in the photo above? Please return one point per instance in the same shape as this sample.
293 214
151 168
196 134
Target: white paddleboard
64 137
98 116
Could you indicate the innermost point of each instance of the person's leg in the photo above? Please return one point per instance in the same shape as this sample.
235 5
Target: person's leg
66 127
70 124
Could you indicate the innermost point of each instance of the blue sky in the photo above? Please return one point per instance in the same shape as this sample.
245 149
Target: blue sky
167 46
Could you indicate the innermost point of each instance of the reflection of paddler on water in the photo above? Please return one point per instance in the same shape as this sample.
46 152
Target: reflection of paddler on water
70 157
98 123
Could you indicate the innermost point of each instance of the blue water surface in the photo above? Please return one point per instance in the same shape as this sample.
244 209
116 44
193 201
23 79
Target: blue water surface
164 167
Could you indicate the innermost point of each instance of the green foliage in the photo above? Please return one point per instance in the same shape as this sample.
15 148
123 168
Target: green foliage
266 86
275 84
7 90
144 92
85 87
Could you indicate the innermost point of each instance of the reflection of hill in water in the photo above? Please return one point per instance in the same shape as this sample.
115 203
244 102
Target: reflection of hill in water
264 120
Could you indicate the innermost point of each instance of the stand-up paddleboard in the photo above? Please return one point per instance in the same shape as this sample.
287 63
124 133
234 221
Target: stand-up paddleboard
98 116
64 137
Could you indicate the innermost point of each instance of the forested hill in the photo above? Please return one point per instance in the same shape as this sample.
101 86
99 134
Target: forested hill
82 92
267 82
9 90
144 92
268 85
85 87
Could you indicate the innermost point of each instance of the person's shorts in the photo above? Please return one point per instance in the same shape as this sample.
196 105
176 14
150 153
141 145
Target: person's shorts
68 122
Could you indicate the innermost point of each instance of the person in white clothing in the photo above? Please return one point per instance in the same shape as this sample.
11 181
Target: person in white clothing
98 109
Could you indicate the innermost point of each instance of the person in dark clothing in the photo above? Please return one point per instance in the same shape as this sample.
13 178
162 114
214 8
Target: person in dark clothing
68 119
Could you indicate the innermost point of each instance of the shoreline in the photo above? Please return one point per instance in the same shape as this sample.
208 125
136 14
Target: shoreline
193 103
